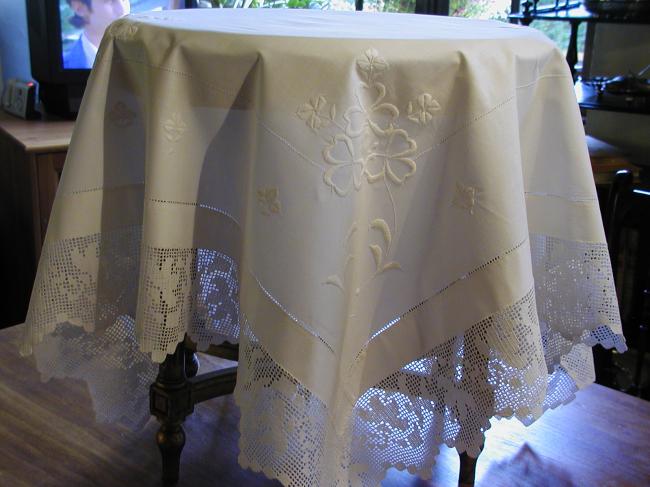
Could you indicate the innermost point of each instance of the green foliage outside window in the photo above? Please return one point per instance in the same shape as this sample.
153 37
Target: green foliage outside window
558 32
479 9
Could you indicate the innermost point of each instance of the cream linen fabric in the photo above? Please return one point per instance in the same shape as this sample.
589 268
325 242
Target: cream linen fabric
394 214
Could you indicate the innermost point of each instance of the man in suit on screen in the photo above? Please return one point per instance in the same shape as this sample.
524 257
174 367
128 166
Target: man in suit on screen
93 16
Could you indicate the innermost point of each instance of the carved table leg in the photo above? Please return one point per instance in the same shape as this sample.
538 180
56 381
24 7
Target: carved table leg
170 402
472 348
171 440
192 363
467 474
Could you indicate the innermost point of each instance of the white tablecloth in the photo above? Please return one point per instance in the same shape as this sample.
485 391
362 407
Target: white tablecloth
393 214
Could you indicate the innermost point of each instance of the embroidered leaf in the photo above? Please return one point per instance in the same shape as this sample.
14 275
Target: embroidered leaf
391 265
327 177
377 253
382 226
333 112
334 281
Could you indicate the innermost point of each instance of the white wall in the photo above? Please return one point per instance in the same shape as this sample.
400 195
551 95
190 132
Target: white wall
14 43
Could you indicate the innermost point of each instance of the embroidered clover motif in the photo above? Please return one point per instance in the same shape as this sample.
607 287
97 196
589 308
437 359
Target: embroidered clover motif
346 168
121 115
373 114
466 197
398 151
269 200
174 127
423 109
372 65
311 113
367 142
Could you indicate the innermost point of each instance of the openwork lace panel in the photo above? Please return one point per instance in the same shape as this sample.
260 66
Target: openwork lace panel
529 357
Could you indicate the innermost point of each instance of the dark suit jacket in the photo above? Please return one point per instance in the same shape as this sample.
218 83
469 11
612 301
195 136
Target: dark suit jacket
76 58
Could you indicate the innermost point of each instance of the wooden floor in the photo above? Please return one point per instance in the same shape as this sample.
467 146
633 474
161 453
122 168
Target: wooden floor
48 437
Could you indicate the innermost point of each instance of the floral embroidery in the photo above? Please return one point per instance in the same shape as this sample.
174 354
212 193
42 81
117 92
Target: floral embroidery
311 113
372 65
466 197
367 143
121 115
425 107
175 127
346 167
378 253
269 200
398 149
371 113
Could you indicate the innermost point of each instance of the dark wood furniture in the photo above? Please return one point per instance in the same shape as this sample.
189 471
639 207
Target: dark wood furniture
49 438
178 388
628 210
31 159
606 159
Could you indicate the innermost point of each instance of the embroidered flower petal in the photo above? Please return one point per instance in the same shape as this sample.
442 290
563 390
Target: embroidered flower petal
311 112
375 167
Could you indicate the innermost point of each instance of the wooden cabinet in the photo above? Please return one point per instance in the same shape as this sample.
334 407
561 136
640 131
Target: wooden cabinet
32 155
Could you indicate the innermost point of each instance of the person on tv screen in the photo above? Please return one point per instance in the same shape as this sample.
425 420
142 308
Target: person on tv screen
93 16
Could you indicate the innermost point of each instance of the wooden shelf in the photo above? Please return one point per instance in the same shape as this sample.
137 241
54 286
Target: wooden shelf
32 154
589 99
37 136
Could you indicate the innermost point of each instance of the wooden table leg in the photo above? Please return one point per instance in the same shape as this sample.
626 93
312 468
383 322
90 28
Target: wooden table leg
171 402
467 473
192 363
472 348
171 440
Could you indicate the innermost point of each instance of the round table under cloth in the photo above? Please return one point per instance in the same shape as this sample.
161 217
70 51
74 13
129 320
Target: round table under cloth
393 214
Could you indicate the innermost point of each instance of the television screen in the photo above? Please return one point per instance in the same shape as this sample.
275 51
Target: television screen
83 23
